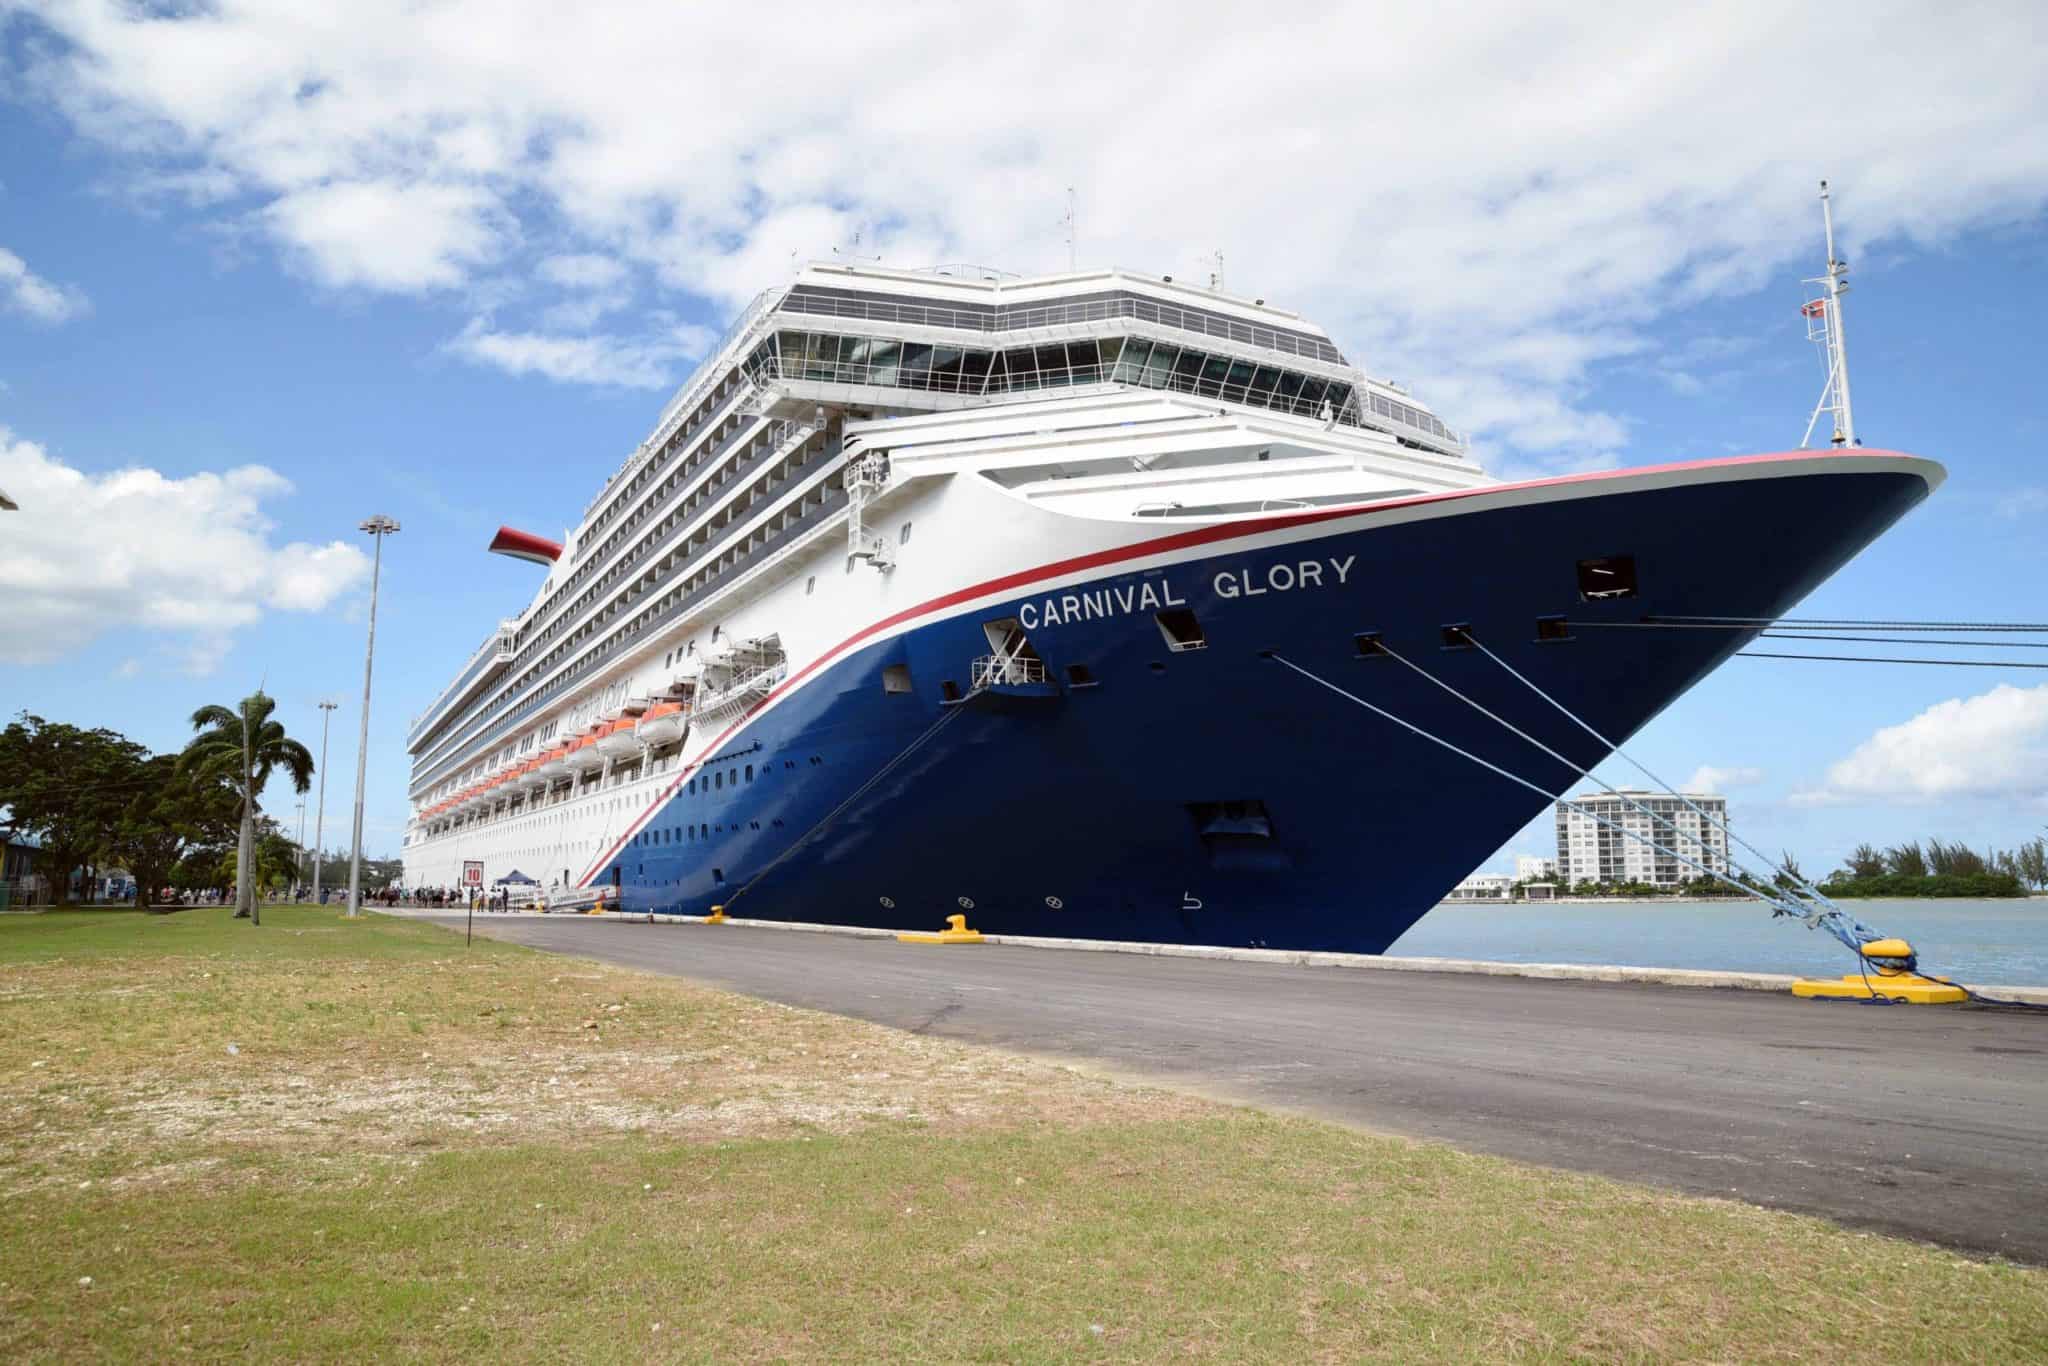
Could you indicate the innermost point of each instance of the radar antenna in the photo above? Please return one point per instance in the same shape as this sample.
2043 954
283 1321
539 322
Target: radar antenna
1823 315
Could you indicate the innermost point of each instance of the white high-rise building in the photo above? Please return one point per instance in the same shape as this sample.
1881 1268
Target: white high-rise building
1591 849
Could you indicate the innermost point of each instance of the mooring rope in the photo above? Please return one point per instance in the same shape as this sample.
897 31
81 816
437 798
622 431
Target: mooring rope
1545 793
1881 659
1852 933
1707 821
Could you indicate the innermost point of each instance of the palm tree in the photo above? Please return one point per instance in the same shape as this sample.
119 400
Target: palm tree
243 746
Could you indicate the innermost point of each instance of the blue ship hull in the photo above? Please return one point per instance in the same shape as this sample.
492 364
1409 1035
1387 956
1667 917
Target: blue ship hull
1213 796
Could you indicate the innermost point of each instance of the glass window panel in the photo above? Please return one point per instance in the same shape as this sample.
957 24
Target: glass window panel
1130 367
917 356
1159 368
1339 395
792 350
1109 347
1082 356
858 355
1288 392
1312 391
1187 368
1381 406
1023 367
1239 378
974 366
882 363
1213 371
1051 362
1263 380
946 369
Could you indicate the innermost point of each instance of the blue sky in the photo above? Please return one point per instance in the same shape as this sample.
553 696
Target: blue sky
452 281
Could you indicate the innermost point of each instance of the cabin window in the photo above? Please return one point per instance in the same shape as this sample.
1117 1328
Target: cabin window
896 678
1553 628
810 585
903 536
1369 645
949 690
1079 675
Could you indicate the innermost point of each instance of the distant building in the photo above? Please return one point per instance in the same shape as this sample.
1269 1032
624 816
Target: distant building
1591 849
1483 887
1534 868
20 883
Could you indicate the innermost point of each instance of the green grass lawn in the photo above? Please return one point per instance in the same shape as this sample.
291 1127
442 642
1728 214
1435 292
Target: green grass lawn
324 1140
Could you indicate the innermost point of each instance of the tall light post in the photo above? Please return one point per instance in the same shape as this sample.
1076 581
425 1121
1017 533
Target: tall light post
379 527
320 811
299 855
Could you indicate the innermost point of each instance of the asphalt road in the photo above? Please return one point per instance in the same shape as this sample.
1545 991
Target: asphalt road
1921 1121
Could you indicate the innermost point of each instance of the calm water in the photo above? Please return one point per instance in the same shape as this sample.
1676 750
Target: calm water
2002 942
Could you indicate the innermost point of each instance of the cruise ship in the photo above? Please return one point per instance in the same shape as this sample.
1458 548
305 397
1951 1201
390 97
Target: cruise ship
1047 601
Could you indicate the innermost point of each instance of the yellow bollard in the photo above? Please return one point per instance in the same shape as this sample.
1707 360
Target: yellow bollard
717 916
1890 983
957 934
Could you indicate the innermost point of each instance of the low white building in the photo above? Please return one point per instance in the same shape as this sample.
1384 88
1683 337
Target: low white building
1483 887
1534 868
1638 837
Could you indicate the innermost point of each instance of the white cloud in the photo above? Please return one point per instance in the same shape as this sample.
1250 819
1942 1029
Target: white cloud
1992 745
24 291
191 559
590 359
1707 778
384 236
1491 200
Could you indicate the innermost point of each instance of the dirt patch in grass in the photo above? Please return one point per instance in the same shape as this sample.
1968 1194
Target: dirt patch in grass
101 1057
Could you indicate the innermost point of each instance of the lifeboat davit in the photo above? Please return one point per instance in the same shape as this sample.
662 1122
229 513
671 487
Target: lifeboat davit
615 739
664 724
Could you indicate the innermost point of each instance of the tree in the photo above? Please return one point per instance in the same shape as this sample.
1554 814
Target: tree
2032 859
1954 860
68 787
173 815
244 745
1905 860
1865 862
1789 877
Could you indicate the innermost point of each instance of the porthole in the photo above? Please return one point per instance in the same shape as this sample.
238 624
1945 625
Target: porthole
966 903
888 903
1054 902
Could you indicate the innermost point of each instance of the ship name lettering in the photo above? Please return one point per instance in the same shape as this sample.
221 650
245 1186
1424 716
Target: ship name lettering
1281 578
1101 602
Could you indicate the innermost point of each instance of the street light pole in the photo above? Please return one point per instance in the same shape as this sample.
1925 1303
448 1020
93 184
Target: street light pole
299 856
379 527
320 811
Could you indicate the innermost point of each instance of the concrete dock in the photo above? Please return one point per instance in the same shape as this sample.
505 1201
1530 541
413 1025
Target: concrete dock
1928 1122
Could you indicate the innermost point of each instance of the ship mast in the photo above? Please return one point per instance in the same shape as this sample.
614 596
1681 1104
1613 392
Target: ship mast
1824 328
